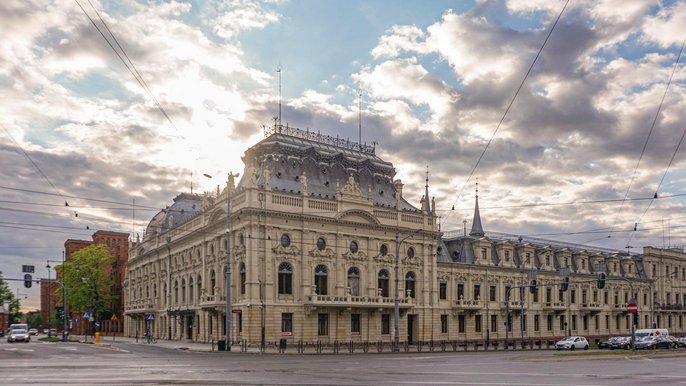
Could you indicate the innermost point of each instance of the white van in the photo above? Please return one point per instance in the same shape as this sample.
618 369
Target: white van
642 333
19 326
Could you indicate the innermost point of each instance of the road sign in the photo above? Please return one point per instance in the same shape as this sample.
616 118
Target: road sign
28 269
151 317
86 315
114 317
97 324
90 318
631 308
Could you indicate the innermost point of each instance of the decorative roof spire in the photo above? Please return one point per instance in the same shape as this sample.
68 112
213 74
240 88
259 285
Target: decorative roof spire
427 203
477 229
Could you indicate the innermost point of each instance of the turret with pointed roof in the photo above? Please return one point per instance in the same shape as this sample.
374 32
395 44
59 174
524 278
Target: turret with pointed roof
477 229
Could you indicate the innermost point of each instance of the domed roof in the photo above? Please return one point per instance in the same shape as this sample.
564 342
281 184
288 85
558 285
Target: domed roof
185 207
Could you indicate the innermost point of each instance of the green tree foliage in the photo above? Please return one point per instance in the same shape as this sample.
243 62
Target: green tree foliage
7 297
35 321
88 280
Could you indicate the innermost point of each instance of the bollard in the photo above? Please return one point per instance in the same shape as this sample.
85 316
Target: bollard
97 338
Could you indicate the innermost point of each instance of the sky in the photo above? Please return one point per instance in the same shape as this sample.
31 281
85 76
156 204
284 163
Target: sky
557 140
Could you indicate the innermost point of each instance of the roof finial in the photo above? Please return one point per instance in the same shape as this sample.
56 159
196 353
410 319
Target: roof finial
427 202
477 229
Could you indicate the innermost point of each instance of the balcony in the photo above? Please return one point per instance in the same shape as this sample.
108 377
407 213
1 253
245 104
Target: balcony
212 301
350 301
467 305
555 306
670 307
591 307
619 308
141 306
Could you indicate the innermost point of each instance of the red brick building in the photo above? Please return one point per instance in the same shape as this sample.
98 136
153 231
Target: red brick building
48 301
118 246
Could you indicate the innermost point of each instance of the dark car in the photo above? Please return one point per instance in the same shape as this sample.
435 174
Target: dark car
622 342
654 342
605 344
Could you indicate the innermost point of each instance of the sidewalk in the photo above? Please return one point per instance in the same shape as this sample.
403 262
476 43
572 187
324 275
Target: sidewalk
170 344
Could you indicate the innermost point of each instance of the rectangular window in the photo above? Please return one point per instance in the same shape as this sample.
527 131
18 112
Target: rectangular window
286 323
550 323
536 296
548 295
584 297
323 325
443 290
460 323
507 255
606 298
562 323
572 294
460 291
385 324
494 323
560 296
618 322
597 322
477 291
595 296
537 323
584 322
477 323
507 292
574 322
616 297
607 322
523 321
645 299
444 324
492 293
483 253
355 324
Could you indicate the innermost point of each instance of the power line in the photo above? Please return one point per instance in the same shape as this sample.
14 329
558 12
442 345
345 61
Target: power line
650 132
514 97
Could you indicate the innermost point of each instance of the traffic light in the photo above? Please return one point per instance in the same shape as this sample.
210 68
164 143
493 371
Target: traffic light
509 319
635 317
601 280
59 313
564 286
532 286
27 280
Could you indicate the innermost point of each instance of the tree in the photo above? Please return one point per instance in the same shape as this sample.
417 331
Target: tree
88 280
34 321
7 297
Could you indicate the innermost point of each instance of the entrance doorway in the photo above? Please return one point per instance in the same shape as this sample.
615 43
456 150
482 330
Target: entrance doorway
189 327
411 319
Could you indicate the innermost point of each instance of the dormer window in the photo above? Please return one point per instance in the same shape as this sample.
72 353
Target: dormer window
483 253
547 260
583 264
507 255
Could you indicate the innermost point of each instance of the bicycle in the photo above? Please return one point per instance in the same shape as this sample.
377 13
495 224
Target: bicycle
150 339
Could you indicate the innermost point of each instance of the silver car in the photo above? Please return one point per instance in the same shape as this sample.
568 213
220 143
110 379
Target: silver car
18 336
572 343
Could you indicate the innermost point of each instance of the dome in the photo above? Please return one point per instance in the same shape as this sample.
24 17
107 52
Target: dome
185 207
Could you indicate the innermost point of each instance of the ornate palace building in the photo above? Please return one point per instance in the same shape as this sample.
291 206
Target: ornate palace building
317 225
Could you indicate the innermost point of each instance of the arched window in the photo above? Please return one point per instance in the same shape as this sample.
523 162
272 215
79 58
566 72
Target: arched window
190 290
176 291
354 281
410 252
147 291
183 290
242 273
285 279
199 285
154 290
409 285
212 249
383 283
213 281
320 280
164 297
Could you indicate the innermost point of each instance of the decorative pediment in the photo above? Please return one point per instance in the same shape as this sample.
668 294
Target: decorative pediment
327 253
461 278
288 252
443 276
384 259
359 216
359 255
412 260
508 280
477 278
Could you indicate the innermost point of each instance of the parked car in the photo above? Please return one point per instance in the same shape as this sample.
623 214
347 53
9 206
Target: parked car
604 344
572 343
18 336
33 331
653 342
622 342
681 342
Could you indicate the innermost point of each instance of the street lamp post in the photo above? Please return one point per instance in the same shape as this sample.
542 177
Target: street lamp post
65 312
396 308
49 290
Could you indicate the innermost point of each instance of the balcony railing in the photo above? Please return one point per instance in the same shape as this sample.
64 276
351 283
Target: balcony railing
670 307
555 306
591 306
468 304
357 301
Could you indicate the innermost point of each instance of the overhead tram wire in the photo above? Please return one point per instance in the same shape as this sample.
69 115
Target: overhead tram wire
645 144
509 106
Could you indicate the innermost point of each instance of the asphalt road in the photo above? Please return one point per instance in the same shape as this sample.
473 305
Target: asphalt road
130 364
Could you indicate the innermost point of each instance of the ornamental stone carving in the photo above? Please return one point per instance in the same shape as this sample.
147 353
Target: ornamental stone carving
288 252
388 258
239 252
355 256
352 187
412 260
326 253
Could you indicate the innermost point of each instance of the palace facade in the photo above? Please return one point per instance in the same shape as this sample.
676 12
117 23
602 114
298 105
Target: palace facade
317 225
